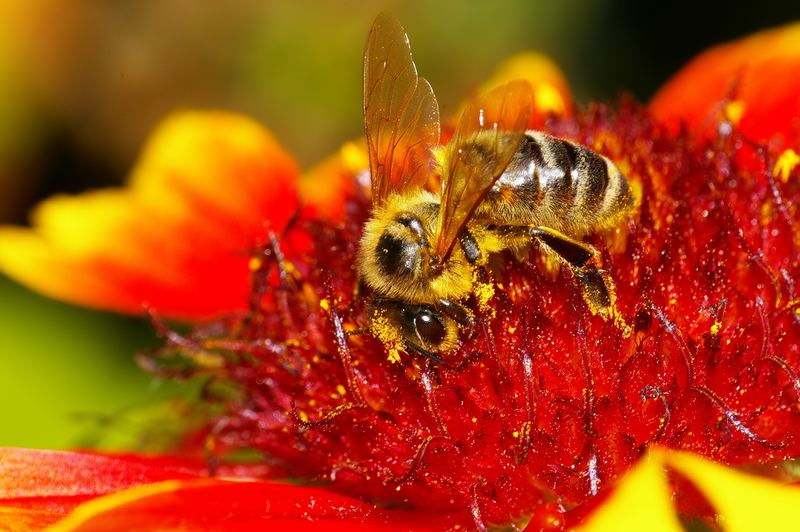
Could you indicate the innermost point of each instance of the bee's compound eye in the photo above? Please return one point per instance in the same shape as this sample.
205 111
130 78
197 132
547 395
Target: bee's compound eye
429 328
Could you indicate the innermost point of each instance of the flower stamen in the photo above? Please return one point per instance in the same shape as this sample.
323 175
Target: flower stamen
430 397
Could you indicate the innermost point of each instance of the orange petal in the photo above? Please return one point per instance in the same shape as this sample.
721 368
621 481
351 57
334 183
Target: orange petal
754 81
37 488
324 187
212 504
203 193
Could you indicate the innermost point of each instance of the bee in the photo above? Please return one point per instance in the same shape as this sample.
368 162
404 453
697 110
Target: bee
503 187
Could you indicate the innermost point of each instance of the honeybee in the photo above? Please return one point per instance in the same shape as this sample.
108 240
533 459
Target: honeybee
503 187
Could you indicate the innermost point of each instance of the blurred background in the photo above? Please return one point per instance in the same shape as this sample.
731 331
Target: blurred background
83 82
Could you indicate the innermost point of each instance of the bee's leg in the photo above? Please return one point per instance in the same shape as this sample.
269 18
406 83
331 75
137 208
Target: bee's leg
457 312
582 259
356 332
471 249
596 285
576 254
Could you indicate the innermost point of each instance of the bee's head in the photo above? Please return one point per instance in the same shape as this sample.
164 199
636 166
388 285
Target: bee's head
419 328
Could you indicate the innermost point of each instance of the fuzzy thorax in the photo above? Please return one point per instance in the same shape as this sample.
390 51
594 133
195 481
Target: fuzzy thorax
396 254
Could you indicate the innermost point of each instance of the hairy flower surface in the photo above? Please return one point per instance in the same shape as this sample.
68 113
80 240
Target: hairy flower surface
545 403
545 406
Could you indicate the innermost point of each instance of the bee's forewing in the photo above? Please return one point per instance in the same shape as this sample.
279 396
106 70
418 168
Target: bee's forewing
487 136
401 115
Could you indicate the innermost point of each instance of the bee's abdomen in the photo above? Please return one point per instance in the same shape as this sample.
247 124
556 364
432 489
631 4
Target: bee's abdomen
559 184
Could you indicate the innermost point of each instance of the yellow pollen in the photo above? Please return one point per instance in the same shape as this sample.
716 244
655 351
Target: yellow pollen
324 304
733 111
341 389
393 356
787 162
715 327
303 416
515 434
512 330
474 420
309 294
484 292
254 264
673 301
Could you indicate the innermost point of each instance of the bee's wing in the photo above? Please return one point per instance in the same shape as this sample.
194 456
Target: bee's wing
488 134
401 115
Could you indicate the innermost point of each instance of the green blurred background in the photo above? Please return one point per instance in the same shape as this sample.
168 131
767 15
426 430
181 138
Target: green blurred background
82 82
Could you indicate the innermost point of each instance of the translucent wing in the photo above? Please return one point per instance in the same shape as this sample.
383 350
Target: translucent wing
401 115
487 136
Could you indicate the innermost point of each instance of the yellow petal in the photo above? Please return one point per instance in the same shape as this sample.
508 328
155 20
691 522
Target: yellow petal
641 501
744 502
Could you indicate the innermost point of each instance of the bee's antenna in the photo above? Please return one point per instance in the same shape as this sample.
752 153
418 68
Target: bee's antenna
356 332
422 351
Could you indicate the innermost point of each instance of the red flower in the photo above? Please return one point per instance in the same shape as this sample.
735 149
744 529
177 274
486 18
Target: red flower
758 75
543 409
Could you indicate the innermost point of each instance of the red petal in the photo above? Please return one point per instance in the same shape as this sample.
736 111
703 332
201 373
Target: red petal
178 238
761 71
211 504
39 487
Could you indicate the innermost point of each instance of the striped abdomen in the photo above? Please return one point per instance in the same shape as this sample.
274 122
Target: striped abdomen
558 184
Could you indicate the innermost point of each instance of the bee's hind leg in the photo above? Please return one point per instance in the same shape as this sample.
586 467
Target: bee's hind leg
596 284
